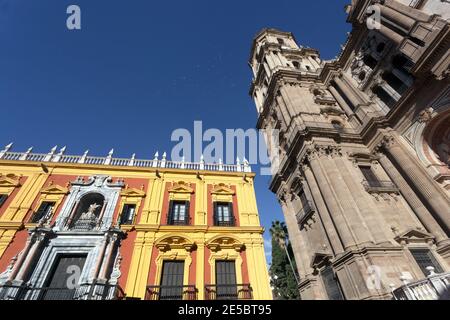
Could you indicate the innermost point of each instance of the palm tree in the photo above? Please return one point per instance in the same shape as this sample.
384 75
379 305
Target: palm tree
280 235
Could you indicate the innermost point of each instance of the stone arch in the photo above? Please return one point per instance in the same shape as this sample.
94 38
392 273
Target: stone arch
431 141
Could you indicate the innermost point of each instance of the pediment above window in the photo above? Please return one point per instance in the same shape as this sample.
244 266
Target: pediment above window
133 192
170 242
9 181
54 189
414 236
319 259
222 189
224 242
181 187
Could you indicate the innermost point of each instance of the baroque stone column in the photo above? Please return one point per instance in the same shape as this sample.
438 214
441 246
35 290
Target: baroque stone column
344 195
331 201
411 198
39 237
299 248
341 101
428 188
390 34
323 213
347 91
368 211
397 17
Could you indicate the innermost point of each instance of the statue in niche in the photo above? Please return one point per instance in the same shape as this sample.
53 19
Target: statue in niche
87 220
90 214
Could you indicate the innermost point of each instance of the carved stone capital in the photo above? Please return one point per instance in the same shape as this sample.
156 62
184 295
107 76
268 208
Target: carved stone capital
388 141
425 115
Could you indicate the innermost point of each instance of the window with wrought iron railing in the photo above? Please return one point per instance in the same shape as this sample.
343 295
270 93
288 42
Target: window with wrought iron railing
223 214
178 213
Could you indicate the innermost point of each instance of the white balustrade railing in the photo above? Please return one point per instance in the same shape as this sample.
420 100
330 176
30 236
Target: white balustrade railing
434 287
60 157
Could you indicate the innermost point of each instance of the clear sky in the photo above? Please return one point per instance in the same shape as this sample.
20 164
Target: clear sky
139 69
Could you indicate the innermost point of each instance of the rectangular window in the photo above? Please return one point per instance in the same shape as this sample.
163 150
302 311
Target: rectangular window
56 286
172 278
424 259
128 212
178 213
44 209
303 198
226 280
331 284
3 198
223 214
370 176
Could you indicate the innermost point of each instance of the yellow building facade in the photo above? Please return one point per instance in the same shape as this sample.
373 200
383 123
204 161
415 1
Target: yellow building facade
143 229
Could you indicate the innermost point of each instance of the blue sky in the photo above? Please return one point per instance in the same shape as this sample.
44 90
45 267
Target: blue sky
139 69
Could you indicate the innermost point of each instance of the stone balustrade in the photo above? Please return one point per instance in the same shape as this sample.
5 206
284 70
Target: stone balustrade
434 287
156 162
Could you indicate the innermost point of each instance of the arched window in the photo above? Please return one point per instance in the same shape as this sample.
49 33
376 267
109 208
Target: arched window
87 214
280 41
296 64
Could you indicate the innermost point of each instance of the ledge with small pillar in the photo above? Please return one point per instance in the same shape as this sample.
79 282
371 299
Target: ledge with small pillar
62 158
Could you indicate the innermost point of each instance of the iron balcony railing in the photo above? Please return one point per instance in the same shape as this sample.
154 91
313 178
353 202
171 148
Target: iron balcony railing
224 223
228 292
172 221
83 292
375 186
188 292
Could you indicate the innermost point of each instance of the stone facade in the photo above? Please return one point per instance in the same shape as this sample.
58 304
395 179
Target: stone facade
364 152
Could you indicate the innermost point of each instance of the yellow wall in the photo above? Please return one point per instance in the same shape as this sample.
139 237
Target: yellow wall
150 229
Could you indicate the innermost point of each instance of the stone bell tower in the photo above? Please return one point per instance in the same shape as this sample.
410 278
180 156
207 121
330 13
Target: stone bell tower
361 208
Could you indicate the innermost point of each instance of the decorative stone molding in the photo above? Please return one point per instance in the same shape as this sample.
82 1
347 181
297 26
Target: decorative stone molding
132 193
222 189
319 259
425 115
171 242
9 180
98 181
54 189
414 236
219 243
